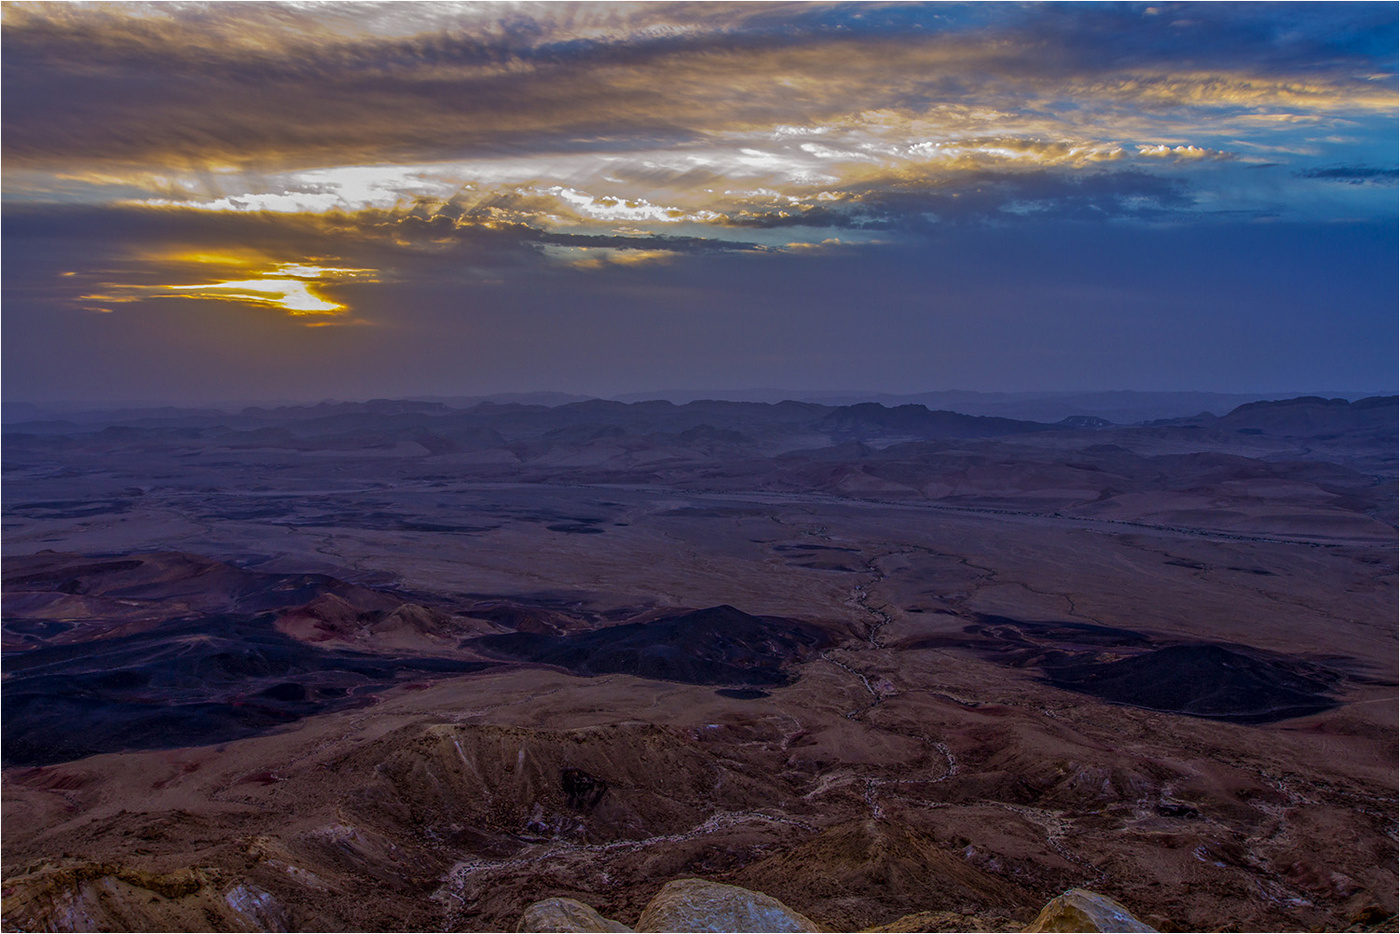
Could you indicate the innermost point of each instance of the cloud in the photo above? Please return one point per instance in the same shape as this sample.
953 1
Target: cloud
901 203
297 289
500 139
772 164
583 257
1165 151
1353 174
310 267
279 88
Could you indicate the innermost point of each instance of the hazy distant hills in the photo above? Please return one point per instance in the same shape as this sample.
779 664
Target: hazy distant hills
1119 407
1308 415
1336 458
1123 407
597 431
867 419
589 435
385 421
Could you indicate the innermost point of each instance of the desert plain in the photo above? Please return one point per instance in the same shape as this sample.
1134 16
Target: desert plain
414 666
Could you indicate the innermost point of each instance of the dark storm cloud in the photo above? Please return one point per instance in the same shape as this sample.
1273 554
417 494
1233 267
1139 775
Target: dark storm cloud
1353 174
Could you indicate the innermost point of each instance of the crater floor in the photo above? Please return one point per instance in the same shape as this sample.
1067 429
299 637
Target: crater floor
394 693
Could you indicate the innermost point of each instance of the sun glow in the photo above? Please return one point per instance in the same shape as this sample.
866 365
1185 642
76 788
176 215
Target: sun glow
290 287
293 296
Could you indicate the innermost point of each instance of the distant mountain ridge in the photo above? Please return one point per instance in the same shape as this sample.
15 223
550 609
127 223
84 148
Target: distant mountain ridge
1304 415
441 429
1120 407
857 422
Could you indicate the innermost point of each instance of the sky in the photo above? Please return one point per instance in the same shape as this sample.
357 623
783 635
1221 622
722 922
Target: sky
298 201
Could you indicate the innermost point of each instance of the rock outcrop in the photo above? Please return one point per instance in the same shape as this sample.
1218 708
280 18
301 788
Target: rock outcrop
1082 910
697 905
683 905
929 922
93 896
566 914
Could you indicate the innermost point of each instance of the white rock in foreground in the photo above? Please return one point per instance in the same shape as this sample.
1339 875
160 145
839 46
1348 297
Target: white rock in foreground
700 906
566 915
1082 910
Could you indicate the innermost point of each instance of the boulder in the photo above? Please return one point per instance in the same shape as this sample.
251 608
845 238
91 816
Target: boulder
697 905
1082 910
927 922
566 914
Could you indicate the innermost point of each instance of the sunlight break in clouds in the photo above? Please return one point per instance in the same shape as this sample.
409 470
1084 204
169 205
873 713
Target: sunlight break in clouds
292 288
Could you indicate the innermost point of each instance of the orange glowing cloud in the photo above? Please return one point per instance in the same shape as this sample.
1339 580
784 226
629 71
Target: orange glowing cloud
294 288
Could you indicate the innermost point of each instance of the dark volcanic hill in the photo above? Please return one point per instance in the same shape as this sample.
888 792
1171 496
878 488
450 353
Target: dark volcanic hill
186 682
1202 681
161 650
719 645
